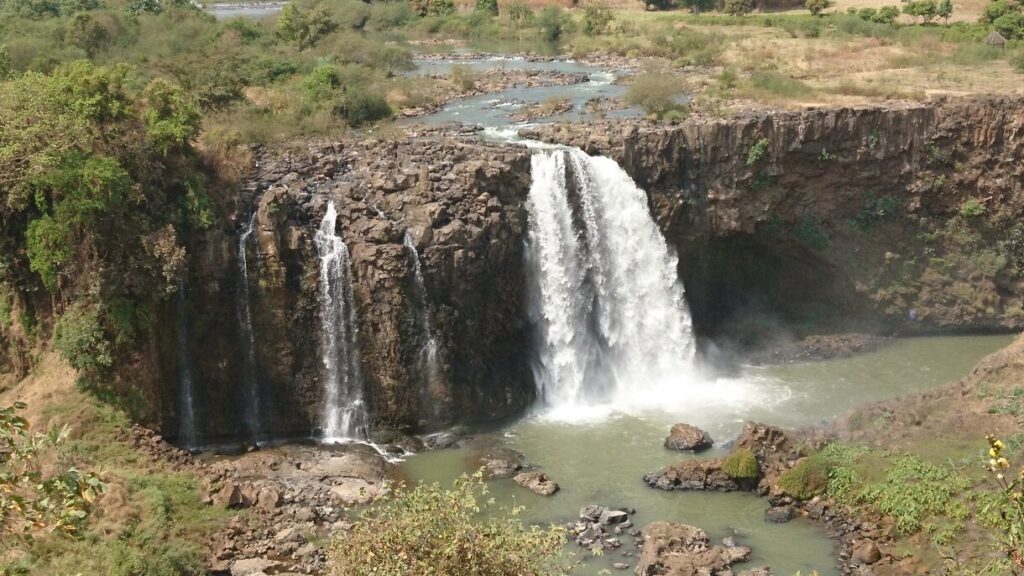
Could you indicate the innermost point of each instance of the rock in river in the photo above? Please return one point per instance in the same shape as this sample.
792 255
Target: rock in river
687 437
536 481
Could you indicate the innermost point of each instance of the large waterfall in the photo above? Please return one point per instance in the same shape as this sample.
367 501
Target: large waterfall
430 366
613 324
344 415
250 382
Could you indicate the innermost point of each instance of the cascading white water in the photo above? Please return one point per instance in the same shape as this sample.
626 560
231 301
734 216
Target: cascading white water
344 416
250 382
187 434
430 366
613 324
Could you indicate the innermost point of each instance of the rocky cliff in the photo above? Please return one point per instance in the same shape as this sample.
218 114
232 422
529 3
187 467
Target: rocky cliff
902 218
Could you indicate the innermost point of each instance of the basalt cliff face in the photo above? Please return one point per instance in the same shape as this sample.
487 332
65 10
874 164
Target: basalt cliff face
462 205
900 218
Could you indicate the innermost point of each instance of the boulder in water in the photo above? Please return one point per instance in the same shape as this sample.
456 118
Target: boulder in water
537 482
687 437
682 550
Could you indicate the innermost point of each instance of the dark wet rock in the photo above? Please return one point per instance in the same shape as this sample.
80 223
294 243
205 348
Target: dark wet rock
687 437
671 549
537 482
694 475
779 514
501 462
818 347
599 527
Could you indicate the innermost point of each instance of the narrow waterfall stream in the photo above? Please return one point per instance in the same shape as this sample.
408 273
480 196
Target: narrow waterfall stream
187 433
250 378
613 325
430 366
344 413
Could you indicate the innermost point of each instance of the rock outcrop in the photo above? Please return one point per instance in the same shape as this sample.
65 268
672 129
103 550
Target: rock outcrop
678 550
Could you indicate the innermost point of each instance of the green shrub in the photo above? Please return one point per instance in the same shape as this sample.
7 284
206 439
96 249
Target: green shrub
741 464
596 20
487 7
430 530
304 25
552 22
657 93
323 82
972 208
463 77
886 15
362 107
809 478
1010 25
5 63
81 340
738 7
876 210
519 12
171 117
926 10
810 232
758 151
818 7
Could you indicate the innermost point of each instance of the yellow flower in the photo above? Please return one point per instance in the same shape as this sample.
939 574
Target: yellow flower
998 445
1015 496
993 463
1003 463
992 452
999 476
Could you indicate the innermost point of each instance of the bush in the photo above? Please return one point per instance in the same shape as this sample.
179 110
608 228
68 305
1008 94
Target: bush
738 7
596 20
304 26
552 23
741 464
817 7
886 15
1010 25
463 77
519 12
323 82
972 208
487 7
657 93
758 151
362 107
913 492
927 10
779 84
807 479
429 530
81 340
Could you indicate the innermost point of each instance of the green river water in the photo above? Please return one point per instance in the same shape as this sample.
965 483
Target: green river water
600 456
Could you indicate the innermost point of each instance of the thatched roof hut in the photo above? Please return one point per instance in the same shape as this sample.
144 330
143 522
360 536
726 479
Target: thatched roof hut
995 39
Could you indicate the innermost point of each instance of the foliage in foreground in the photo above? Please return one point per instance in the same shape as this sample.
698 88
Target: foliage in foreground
433 531
151 520
1008 507
34 502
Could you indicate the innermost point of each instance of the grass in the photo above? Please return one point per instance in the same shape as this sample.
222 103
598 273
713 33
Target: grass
151 521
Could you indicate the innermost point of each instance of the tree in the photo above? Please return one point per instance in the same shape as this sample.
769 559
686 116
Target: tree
429 530
304 25
487 7
1010 25
596 20
34 502
944 10
886 15
818 7
739 7
924 9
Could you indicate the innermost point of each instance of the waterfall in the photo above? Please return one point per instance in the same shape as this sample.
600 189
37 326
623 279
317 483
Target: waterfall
612 322
250 382
345 415
187 435
430 367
